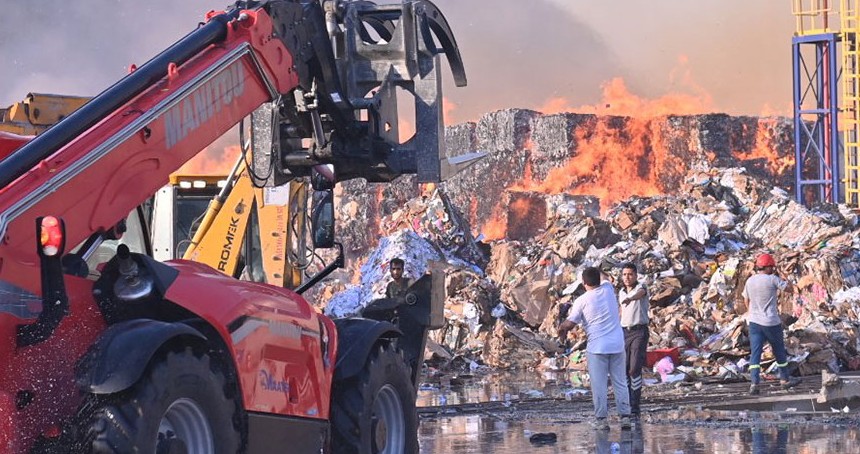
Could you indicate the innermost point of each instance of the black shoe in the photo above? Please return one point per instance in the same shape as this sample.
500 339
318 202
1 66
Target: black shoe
754 390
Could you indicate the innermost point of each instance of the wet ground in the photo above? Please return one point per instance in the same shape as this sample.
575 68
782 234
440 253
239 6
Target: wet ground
486 434
499 414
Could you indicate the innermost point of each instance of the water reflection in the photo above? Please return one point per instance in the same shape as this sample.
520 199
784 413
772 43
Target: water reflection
497 387
763 443
488 434
629 442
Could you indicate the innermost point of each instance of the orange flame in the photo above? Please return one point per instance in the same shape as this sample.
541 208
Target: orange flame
620 158
764 140
212 161
520 207
496 228
608 164
613 161
687 98
448 109
618 100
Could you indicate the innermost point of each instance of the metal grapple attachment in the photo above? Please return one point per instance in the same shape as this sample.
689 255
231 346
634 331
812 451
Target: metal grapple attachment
354 59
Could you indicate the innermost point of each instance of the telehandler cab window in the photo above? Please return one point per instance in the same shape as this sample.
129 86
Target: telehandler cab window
189 212
178 209
101 247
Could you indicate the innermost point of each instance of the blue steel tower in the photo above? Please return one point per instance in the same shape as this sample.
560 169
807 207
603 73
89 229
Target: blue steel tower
815 61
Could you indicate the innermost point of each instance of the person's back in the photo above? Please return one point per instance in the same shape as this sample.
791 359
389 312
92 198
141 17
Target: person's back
761 290
760 295
597 311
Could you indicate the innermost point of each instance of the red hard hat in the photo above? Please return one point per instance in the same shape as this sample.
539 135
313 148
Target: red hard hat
764 260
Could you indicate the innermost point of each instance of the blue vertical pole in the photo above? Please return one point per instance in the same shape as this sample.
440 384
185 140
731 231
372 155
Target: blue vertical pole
835 163
798 148
821 134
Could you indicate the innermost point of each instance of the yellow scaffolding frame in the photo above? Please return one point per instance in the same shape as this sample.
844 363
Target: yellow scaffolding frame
813 17
850 118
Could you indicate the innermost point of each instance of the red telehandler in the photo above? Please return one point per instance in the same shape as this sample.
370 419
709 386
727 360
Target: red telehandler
107 350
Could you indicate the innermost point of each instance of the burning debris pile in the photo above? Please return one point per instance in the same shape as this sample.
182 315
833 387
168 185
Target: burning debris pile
539 226
612 158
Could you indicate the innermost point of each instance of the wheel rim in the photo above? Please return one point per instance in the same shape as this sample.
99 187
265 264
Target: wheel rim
185 420
389 424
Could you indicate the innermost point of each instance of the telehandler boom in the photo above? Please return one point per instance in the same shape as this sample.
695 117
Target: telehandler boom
108 350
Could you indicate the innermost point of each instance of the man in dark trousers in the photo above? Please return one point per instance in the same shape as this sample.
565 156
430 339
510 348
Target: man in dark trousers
760 295
633 297
399 284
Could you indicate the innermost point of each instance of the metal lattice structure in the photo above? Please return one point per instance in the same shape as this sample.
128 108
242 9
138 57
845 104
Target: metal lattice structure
826 62
815 49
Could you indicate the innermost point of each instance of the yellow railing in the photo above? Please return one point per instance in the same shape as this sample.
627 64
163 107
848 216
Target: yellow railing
814 16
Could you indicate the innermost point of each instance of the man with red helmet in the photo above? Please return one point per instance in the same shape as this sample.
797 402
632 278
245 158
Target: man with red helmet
760 296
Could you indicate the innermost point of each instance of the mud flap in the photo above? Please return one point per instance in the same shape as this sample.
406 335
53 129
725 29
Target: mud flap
120 356
356 338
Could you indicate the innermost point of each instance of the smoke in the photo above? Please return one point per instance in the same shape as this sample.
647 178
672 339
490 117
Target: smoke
81 48
518 53
521 53
738 53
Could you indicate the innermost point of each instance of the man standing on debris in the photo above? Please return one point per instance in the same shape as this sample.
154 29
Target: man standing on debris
397 287
597 311
633 297
760 296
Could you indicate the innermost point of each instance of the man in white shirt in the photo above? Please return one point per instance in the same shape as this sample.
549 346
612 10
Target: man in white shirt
597 311
633 297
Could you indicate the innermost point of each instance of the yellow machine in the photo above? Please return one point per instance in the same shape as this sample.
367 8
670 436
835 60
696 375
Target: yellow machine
248 232
224 221
37 112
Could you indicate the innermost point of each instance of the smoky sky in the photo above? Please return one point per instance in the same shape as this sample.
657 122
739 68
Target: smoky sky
517 53
520 53
81 47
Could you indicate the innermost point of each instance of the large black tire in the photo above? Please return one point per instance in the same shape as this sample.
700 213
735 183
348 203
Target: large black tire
181 404
374 412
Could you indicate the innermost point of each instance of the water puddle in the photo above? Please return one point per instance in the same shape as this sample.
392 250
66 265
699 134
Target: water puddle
467 389
498 413
486 434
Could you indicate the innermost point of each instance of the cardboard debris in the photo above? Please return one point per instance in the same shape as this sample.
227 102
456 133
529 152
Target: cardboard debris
694 250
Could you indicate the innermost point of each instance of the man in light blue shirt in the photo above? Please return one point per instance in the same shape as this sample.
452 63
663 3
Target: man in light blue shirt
597 311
